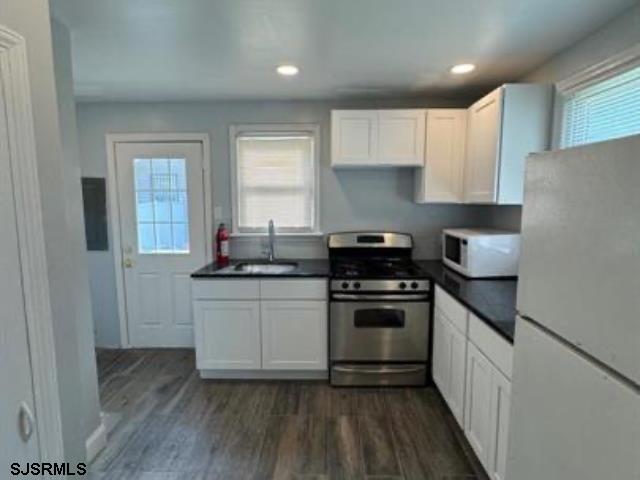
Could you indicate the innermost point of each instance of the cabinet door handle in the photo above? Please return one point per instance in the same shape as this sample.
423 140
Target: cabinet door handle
26 422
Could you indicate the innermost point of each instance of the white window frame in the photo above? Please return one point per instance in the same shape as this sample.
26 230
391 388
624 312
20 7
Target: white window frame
275 129
614 65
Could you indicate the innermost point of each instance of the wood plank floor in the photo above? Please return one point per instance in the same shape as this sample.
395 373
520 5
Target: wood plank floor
165 423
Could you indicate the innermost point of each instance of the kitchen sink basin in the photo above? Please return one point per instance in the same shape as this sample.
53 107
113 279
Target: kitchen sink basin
270 268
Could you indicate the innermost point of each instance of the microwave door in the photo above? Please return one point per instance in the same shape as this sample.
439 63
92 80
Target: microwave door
453 249
455 253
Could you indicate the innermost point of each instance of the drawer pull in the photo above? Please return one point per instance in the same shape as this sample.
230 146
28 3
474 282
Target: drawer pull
378 371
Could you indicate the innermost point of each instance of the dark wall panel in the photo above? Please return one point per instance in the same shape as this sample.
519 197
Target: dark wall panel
94 197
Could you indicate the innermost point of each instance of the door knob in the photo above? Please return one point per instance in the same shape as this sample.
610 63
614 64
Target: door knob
26 422
128 263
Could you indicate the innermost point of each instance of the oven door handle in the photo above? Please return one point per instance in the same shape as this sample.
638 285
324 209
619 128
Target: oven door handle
385 297
378 371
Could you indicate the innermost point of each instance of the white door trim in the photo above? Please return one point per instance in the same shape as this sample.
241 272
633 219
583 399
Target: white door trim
33 263
114 207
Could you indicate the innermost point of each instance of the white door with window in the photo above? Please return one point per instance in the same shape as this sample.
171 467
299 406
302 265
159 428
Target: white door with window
162 231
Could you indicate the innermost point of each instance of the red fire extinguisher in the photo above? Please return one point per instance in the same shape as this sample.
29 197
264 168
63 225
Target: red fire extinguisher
222 246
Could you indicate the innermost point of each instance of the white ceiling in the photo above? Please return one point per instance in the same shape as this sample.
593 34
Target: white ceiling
228 49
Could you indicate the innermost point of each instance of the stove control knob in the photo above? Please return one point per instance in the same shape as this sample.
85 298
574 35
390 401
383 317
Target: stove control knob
402 285
414 285
356 285
345 285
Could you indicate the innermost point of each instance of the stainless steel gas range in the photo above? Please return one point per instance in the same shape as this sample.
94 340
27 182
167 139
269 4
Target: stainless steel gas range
379 313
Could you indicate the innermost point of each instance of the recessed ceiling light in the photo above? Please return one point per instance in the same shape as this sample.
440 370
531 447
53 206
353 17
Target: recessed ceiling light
463 68
288 70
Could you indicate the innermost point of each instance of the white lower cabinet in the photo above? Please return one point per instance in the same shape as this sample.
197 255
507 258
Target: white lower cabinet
255 325
468 369
227 334
294 335
449 363
488 402
500 410
440 368
477 423
457 373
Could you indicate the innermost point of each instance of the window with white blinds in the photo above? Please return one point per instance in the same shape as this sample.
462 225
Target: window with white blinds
606 110
276 179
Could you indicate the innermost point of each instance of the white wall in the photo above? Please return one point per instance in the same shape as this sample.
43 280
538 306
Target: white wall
30 18
357 199
619 34
78 268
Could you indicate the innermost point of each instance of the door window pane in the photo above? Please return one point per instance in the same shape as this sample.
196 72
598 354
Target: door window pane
162 210
142 167
164 241
144 206
179 207
162 206
146 238
178 174
180 236
160 176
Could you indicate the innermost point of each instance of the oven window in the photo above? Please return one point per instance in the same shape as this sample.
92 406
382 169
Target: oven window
452 248
378 318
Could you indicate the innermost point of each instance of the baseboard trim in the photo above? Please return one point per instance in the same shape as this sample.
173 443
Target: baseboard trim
265 374
96 441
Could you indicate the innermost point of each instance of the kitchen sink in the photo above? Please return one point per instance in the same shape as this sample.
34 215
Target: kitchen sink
272 268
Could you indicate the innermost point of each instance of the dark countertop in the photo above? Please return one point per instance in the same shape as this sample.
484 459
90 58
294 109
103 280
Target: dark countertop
305 268
493 300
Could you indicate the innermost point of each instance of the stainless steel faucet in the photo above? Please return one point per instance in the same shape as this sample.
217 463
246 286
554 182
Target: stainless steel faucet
272 237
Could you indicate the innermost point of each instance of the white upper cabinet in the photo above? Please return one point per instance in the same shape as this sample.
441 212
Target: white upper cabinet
483 137
441 179
375 138
503 128
354 137
401 137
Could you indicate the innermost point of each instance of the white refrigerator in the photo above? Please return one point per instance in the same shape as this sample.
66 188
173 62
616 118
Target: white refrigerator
575 411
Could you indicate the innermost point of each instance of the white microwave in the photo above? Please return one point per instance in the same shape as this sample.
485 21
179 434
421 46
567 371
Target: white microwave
478 253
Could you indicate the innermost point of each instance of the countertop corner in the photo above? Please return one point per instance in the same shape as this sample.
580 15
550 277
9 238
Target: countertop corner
493 300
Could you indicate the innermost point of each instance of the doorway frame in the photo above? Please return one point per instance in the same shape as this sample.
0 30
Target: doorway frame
33 261
112 139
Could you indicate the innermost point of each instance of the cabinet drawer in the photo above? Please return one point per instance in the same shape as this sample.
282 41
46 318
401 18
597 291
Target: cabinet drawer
496 348
225 290
293 289
452 309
